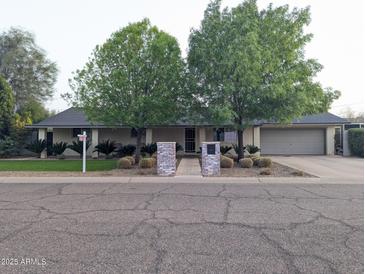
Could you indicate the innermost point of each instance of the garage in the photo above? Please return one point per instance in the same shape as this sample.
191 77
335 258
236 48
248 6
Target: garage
292 141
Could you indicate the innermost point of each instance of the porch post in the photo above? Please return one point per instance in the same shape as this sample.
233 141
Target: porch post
148 135
330 140
256 138
42 135
202 136
94 141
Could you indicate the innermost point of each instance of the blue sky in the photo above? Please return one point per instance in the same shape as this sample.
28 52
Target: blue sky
69 30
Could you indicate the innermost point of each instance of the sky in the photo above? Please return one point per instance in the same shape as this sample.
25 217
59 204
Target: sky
69 30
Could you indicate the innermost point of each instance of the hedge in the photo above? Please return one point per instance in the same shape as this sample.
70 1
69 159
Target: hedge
356 141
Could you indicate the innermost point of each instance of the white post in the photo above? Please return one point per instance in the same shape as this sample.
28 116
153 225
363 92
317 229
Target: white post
82 137
84 153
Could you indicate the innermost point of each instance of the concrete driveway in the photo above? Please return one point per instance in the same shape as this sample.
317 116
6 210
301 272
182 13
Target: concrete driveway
327 167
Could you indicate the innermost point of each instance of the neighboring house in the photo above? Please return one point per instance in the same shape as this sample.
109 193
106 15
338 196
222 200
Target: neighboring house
312 134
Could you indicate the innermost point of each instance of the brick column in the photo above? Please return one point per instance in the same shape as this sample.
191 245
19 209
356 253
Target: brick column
166 158
211 159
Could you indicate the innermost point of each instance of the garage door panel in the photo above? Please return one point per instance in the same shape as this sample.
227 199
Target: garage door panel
292 141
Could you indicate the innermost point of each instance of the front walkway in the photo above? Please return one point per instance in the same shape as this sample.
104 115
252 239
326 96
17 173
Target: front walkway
189 167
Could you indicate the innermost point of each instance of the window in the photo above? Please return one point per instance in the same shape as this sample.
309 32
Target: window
77 131
219 134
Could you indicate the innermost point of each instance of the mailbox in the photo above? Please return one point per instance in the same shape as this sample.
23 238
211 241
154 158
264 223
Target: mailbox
210 149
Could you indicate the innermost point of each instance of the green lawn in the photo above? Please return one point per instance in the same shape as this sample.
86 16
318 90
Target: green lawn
56 165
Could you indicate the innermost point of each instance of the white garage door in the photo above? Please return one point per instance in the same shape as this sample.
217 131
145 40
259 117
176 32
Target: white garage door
292 141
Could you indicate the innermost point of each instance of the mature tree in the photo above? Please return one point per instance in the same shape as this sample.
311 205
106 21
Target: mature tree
135 78
353 116
6 108
35 110
250 65
25 66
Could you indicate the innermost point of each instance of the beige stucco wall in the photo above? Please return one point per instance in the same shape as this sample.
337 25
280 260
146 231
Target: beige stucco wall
65 135
169 135
119 135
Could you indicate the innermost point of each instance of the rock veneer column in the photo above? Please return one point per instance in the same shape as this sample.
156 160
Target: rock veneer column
211 159
166 158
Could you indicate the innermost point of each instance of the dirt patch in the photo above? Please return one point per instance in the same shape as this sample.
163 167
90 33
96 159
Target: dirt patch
277 170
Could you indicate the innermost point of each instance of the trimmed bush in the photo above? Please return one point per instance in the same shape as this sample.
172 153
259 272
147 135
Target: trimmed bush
226 162
147 162
356 141
266 171
255 160
246 163
124 163
264 162
131 159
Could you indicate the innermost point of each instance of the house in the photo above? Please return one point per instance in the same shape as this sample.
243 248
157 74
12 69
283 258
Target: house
312 134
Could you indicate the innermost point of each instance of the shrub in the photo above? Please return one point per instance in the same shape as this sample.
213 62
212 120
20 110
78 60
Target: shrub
226 162
356 141
124 163
78 146
246 163
37 146
264 162
106 147
154 155
146 162
59 148
149 149
252 149
266 171
8 147
255 160
233 157
298 173
127 150
225 149
131 159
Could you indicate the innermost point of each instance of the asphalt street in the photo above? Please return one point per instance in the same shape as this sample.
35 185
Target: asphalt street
181 228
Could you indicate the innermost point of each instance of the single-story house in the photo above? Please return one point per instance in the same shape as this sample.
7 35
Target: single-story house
313 134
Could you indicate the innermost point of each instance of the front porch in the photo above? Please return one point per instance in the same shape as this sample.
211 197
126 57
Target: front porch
190 138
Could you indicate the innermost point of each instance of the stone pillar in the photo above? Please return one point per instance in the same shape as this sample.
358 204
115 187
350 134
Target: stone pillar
256 138
148 135
202 136
211 159
166 158
42 135
330 140
94 142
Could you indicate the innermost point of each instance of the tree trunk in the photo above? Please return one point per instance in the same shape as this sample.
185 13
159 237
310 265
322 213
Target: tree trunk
139 144
240 144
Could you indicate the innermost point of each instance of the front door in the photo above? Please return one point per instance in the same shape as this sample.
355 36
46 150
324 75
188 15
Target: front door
189 140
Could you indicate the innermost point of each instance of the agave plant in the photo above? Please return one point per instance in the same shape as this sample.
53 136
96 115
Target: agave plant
127 150
252 149
235 147
78 146
149 148
225 149
59 148
106 147
37 146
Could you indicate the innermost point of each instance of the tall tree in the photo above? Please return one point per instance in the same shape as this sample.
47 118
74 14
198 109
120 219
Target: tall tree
6 108
250 65
135 78
26 67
